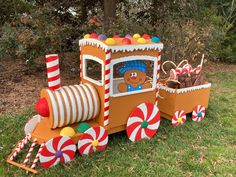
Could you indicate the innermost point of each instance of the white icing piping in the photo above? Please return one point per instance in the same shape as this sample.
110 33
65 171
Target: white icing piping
93 42
123 48
183 90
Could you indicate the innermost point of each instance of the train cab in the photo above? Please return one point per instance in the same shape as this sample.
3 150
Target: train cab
124 71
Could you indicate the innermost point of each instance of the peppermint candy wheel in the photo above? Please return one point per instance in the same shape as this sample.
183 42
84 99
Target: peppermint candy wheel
93 139
143 122
60 149
178 118
198 113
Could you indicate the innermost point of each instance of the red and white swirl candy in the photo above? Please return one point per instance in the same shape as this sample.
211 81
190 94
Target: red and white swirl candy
198 113
178 118
60 149
143 122
93 139
187 69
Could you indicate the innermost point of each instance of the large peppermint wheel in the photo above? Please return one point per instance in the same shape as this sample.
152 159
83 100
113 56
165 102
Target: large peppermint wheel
60 149
93 139
143 122
178 118
198 113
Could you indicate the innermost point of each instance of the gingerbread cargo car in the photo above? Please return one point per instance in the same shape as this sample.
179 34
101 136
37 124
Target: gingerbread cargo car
185 91
118 91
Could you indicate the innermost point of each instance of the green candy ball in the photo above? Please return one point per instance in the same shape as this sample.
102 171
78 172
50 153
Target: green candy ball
82 127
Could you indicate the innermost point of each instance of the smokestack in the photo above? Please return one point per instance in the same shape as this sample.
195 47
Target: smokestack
53 71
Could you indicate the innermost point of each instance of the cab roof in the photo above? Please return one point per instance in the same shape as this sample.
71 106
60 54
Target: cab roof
124 44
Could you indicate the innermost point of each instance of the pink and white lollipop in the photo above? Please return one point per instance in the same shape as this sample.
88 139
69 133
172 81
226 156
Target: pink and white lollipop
60 149
178 118
93 139
198 113
143 122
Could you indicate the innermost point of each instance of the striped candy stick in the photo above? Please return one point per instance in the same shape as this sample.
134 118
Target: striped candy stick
80 67
37 156
20 146
30 152
53 71
158 76
107 88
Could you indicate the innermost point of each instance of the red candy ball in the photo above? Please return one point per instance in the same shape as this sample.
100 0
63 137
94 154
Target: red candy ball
116 36
146 36
42 107
126 41
94 35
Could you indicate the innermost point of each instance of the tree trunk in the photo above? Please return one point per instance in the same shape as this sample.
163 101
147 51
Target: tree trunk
109 13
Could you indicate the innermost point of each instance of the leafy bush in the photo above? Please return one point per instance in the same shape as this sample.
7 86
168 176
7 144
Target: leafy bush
186 28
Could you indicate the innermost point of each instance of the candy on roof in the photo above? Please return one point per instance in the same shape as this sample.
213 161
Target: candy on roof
102 37
141 40
126 41
118 43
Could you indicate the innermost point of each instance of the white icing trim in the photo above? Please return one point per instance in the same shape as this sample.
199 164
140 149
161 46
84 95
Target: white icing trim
123 48
183 90
90 102
95 98
93 42
79 104
54 108
72 99
84 70
85 102
67 106
61 108
130 58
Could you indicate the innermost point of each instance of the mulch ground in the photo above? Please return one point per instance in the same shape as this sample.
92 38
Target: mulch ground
20 84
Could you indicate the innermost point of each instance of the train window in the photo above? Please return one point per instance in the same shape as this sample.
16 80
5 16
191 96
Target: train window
93 69
130 76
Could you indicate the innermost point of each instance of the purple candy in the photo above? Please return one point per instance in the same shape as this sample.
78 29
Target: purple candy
102 37
128 36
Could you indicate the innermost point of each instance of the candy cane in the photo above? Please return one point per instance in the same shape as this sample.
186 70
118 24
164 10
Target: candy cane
37 156
199 67
168 61
107 88
20 146
29 152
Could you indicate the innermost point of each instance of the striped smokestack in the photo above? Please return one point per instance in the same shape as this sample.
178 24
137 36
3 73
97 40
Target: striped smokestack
53 71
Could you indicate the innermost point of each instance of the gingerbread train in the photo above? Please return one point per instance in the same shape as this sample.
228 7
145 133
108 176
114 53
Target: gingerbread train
119 90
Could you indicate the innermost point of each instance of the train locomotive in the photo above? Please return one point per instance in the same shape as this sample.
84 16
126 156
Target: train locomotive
118 90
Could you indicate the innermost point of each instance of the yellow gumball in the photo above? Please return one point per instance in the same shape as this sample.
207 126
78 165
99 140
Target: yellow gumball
141 40
110 41
86 36
67 131
136 36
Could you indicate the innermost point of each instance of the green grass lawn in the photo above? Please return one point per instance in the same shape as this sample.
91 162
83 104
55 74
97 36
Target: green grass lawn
201 149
